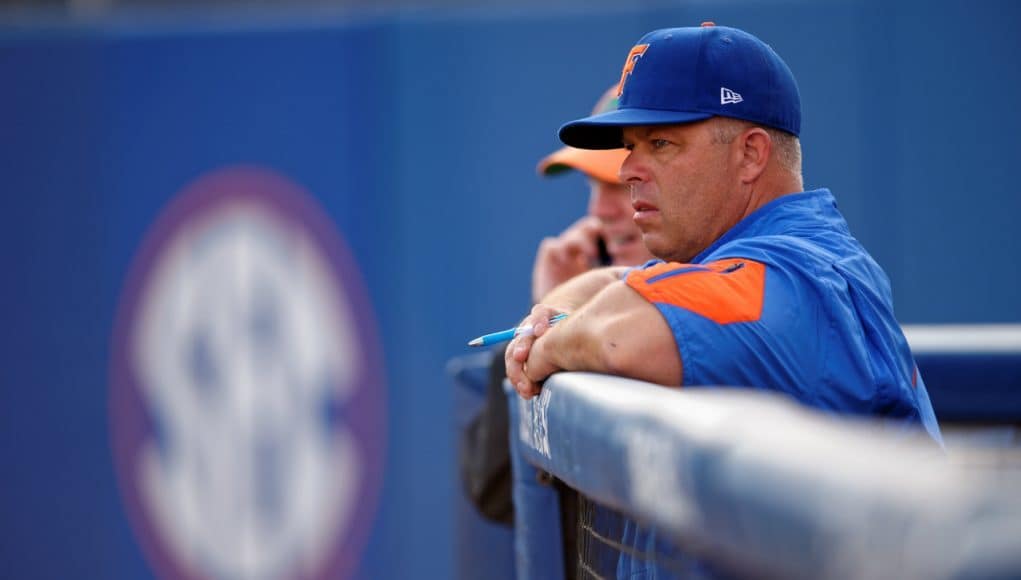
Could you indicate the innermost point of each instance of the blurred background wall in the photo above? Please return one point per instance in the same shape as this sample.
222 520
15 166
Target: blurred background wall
415 129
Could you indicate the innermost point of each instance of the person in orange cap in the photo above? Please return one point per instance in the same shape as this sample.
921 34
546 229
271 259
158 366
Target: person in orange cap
605 236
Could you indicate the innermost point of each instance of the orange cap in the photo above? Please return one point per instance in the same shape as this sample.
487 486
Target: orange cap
601 164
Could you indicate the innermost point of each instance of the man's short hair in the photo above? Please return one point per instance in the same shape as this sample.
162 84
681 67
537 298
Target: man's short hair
786 147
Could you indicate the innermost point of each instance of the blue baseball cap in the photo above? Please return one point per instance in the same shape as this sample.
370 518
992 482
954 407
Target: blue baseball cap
683 75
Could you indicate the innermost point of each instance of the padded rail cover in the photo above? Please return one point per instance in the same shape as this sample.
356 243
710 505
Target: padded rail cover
756 482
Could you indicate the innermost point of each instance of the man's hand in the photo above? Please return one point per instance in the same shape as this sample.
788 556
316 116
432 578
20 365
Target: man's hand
564 299
561 258
616 332
527 376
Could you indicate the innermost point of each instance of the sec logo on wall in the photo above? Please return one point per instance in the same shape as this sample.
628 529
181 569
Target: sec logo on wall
247 393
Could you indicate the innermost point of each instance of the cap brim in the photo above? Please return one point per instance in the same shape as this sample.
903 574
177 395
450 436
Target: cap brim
604 131
603 165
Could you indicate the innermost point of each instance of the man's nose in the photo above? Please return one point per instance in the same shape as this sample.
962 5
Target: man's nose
631 170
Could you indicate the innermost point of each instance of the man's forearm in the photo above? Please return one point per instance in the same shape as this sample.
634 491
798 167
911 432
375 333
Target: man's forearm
573 345
617 332
572 294
611 329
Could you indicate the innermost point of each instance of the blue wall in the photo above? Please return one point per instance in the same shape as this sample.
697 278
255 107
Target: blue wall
418 134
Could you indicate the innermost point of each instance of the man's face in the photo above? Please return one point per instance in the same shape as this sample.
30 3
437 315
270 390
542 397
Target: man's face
611 204
684 188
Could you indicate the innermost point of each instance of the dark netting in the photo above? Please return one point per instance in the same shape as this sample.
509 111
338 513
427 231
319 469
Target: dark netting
610 545
599 533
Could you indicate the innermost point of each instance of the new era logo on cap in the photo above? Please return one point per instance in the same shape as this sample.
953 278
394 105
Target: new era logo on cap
728 96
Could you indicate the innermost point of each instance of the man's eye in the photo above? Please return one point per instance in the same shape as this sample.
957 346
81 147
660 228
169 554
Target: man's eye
629 146
659 143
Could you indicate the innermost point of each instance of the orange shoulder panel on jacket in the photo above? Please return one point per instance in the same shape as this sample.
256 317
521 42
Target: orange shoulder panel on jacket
723 291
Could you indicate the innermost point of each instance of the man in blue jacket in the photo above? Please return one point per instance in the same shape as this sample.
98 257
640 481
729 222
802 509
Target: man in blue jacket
760 283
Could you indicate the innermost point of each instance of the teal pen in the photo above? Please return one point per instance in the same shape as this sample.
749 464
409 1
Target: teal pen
505 335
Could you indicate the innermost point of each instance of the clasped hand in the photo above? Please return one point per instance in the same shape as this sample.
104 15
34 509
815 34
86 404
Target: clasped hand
528 361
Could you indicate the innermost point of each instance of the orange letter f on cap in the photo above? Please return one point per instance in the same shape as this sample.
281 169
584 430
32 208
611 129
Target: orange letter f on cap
629 65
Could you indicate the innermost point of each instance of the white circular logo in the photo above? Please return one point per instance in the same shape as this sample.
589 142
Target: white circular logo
246 397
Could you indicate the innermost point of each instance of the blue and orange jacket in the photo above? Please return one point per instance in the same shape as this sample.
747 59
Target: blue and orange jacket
788 300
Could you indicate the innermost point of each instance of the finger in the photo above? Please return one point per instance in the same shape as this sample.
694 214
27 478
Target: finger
577 250
588 226
516 375
514 364
565 251
511 367
540 328
527 389
541 317
531 380
580 237
520 352
515 356
539 320
534 371
546 248
518 378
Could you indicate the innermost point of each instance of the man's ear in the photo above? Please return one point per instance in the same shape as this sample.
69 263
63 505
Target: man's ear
755 148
